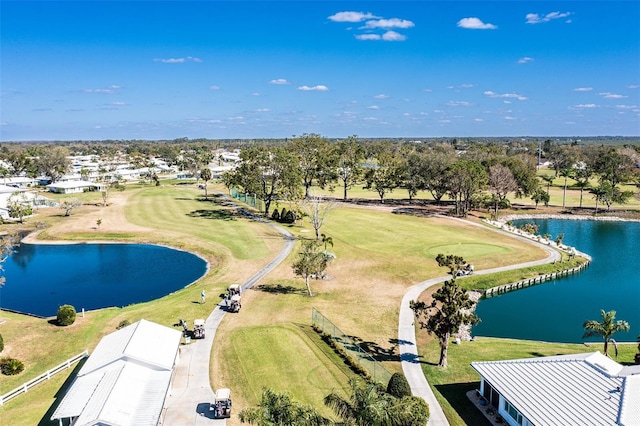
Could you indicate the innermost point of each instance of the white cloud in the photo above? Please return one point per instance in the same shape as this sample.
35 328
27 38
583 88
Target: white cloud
393 36
626 106
214 87
389 23
368 36
373 107
351 16
114 86
525 60
118 103
382 96
583 89
319 87
534 18
461 86
475 24
458 103
508 117
586 106
504 95
255 94
612 95
279 81
100 91
178 60
478 120
263 110
633 86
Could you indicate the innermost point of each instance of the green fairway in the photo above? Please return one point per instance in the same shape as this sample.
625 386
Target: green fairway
283 358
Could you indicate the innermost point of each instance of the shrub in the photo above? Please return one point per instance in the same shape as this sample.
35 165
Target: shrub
275 215
2 343
283 214
11 366
398 386
290 217
66 315
123 324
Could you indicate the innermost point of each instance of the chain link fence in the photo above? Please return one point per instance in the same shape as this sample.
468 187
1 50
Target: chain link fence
375 368
249 199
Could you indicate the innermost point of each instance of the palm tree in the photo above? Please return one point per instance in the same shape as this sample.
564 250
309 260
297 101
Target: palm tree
549 180
205 174
277 409
369 406
565 173
605 328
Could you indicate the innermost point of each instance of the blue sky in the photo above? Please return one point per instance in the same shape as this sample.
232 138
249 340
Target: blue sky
266 69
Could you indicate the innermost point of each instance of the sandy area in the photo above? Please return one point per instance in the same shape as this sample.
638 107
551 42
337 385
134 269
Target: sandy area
84 219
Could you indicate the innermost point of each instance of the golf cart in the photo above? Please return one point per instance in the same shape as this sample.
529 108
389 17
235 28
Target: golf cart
234 303
221 406
198 329
234 289
467 269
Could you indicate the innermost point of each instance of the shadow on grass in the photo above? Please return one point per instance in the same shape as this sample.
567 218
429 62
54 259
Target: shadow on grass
46 419
280 289
380 353
455 394
213 214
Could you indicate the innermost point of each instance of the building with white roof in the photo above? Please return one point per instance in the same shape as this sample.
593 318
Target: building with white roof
126 379
581 389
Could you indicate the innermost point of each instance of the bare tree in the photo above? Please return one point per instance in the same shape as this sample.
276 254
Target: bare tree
501 182
69 205
317 211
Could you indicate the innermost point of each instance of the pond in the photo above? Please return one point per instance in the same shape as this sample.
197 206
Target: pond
41 277
555 311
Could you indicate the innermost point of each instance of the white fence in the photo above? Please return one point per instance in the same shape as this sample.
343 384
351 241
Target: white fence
41 378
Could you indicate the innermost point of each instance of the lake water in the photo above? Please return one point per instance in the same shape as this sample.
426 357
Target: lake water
555 311
40 278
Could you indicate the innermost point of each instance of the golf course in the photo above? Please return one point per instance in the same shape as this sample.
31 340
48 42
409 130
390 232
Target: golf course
270 343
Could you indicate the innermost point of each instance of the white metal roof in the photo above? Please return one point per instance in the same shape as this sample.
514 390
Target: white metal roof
126 378
566 389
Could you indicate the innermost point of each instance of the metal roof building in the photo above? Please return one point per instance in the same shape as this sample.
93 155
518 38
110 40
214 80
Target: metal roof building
582 389
125 380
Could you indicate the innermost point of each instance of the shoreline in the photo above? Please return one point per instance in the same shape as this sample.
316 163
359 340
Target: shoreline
510 217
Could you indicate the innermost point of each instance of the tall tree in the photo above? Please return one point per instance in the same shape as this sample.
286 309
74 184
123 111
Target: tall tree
349 156
19 206
367 405
438 161
386 174
279 409
53 162
447 312
566 173
271 173
413 171
315 162
312 261
465 179
540 195
582 176
205 175
501 183
605 329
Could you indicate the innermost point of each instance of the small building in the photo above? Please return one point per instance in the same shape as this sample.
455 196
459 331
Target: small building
580 389
73 187
126 379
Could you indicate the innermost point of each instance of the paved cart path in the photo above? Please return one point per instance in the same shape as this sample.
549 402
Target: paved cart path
192 391
410 360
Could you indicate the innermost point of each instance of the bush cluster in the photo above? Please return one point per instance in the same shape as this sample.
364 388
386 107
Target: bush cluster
348 359
11 366
123 324
398 386
66 315
284 216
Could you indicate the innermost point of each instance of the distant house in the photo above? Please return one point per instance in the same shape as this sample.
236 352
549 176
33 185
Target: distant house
27 197
73 186
581 389
126 379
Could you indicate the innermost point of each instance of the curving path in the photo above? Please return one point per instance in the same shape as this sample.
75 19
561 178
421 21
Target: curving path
188 403
409 358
